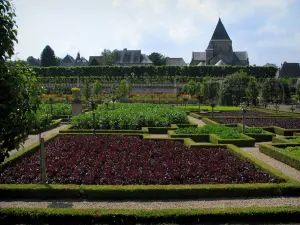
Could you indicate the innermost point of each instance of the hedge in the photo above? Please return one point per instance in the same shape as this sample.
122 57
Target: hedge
131 216
54 124
283 139
275 151
244 141
188 71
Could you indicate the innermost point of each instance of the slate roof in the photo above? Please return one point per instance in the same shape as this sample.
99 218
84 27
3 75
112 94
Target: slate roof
145 59
201 64
175 62
100 59
132 57
241 55
220 32
67 60
291 70
201 56
220 63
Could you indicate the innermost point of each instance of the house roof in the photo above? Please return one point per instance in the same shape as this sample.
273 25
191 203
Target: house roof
291 70
201 64
199 56
100 59
220 63
129 56
68 59
220 32
241 55
175 62
145 59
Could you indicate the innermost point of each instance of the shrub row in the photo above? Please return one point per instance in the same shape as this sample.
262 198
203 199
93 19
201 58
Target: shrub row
54 124
122 71
126 216
275 151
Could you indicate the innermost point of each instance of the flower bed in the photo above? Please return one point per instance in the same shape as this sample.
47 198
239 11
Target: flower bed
288 123
131 116
89 159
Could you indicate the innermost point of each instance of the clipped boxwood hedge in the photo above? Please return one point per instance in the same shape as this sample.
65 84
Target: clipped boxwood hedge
275 151
54 124
131 216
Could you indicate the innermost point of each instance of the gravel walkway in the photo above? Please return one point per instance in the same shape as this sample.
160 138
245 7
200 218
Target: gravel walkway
162 136
285 169
193 120
33 139
227 203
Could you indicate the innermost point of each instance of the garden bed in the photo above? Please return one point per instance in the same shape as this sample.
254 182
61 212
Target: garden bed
287 123
124 160
288 153
236 113
131 116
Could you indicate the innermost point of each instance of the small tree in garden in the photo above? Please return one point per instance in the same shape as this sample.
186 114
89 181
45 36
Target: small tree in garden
199 93
252 92
298 90
87 89
276 106
97 89
123 90
211 90
272 90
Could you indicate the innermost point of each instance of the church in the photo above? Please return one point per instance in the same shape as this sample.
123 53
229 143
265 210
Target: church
219 51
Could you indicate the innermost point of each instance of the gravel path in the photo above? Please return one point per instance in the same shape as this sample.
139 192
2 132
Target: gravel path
193 204
33 139
193 120
162 136
285 169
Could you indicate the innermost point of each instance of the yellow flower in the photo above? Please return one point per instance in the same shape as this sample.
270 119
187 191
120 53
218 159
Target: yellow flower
75 89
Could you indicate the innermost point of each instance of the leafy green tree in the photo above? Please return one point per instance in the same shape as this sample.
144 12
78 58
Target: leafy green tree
234 88
157 59
252 92
272 91
94 62
211 89
96 88
123 90
48 57
287 89
19 92
110 57
87 89
8 30
32 61
298 91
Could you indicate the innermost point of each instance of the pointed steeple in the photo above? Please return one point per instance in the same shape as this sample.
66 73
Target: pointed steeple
220 32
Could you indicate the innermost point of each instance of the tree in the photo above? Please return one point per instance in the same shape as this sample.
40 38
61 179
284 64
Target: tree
157 59
94 62
110 57
32 61
123 90
234 88
96 88
298 91
8 30
87 89
19 92
252 92
48 57
272 91
211 89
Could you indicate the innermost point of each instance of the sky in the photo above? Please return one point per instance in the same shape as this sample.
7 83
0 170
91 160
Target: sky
268 29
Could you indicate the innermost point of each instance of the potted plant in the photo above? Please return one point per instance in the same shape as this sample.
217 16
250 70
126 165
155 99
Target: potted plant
76 94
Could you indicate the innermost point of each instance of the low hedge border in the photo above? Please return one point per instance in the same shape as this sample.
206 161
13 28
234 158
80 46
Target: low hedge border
54 124
285 139
245 141
271 129
131 216
275 151
296 134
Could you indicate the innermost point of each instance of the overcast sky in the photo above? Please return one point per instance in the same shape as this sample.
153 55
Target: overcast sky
268 29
